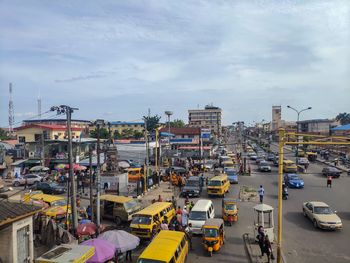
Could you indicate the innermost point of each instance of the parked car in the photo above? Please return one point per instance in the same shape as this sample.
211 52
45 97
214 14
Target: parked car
331 171
303 161
31 179
293 181
264 166
259 159
271 157
232 176
253 157
192 187
49 188
322 215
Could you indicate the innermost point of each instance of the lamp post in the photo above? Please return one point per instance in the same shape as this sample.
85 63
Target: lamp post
298 113
169 113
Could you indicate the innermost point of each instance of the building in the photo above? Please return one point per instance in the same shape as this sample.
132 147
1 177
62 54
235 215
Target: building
276 118
36 132
16 231
343 130
209 118
317 126
123 128
62 122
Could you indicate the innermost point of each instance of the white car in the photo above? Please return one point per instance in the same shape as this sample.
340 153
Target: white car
303 161
31 179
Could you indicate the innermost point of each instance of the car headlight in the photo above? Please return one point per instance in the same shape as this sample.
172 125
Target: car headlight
322 222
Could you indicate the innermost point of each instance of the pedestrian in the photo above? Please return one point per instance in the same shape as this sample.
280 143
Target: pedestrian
179 183
268 248
89 211
184 217
261 239
306 165
179 215
25 182
261 192
189 234
206 181
160 199
173 200
164 225
128 255
335 162
329 181
202 180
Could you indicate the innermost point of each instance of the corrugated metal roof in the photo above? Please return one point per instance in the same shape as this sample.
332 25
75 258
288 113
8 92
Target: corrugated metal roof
10 211
345 127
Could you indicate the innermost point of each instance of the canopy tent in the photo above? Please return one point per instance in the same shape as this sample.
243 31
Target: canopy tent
345 127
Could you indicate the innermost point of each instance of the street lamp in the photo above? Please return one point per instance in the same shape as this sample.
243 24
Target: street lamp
298 112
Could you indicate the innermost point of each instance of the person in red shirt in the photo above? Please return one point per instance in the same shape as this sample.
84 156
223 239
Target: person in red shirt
329 181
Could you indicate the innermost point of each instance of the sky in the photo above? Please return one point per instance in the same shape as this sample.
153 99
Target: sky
117 59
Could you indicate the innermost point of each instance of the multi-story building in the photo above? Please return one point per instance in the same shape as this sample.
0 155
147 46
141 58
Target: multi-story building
74 123
317 126
120 126
209 118
276 118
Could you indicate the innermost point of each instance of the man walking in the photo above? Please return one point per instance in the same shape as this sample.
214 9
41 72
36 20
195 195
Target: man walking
261 192
329 181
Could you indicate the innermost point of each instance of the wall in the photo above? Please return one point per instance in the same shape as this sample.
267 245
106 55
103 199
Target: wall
6 244
29 134
18 225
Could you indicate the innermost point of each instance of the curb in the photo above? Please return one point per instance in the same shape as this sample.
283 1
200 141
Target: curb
332 165
247 247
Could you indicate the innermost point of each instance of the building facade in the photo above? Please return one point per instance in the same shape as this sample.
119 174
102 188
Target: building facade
62 122
209 118
317 126
276 118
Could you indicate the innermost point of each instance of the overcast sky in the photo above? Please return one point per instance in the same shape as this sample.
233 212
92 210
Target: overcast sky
115 59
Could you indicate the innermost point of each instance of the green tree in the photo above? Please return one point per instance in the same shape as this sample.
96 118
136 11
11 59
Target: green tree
117 135
4 135
152 122
104 134
127 133
138 134
343 118
177 123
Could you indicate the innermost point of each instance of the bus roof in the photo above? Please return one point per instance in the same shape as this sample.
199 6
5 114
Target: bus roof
116 198
219 177
46 198
163 246
154 208
288 161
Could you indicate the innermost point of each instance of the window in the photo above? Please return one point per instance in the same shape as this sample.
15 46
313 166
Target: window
37 137
183 242
21 139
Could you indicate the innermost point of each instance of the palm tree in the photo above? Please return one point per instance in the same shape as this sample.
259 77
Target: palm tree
343 118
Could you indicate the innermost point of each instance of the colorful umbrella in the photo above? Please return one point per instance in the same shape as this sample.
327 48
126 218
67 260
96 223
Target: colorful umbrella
81 168
60 166
88 229
39 168
103 250
123 240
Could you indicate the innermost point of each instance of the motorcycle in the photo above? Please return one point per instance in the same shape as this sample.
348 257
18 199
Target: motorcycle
285 193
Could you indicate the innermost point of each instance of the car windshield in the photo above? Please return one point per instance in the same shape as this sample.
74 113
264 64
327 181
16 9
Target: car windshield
130 205
54 185
210 232
214 183
197 215
192 183
323 210
141 220
332 169
230 207
294 177
62 202
263 164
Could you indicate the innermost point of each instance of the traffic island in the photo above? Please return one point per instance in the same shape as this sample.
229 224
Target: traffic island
248 194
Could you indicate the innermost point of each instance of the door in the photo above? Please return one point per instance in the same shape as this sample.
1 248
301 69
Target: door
23 245
108 209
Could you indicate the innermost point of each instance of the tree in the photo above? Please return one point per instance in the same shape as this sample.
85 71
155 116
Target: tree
152 122
343 118
104 134
4 135
138 134
127 133
177 123
117 135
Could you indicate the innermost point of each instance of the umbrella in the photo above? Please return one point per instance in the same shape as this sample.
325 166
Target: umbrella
103 250
60 166
123 240
88 228
80 168
84 221
39 168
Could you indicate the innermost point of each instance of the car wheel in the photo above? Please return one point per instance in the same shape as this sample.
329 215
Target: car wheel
315 224
118 220
36 183
16 184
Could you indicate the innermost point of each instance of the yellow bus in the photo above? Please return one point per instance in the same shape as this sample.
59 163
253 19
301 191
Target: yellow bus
228 164
148 220
289 166
166 247
218 185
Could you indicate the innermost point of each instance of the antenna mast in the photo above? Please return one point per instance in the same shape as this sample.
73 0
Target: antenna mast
11 111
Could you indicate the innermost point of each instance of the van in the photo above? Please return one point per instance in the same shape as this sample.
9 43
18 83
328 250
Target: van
147 221
218 185
289 166
228 164
118 208
167 247
51 200
135 174
200 212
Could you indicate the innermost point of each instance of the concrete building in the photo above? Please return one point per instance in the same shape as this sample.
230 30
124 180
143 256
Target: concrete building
16 231
276 118
317 126
62 122
124 125
35 132
209 118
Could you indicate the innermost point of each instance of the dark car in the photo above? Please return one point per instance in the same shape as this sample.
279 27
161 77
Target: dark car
331 171
49 188
271 157
193 187
176 169
293 181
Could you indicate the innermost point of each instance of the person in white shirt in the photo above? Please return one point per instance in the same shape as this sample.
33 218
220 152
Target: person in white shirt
164 225
261 192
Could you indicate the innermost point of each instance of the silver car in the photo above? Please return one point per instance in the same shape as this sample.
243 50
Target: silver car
31 179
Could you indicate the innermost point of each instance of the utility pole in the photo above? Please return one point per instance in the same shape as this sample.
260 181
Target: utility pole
43 149
145 172
68 111
11 111
91 184
98 124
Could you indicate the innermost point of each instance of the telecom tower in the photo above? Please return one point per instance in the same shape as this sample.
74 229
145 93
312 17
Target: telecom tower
11 111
